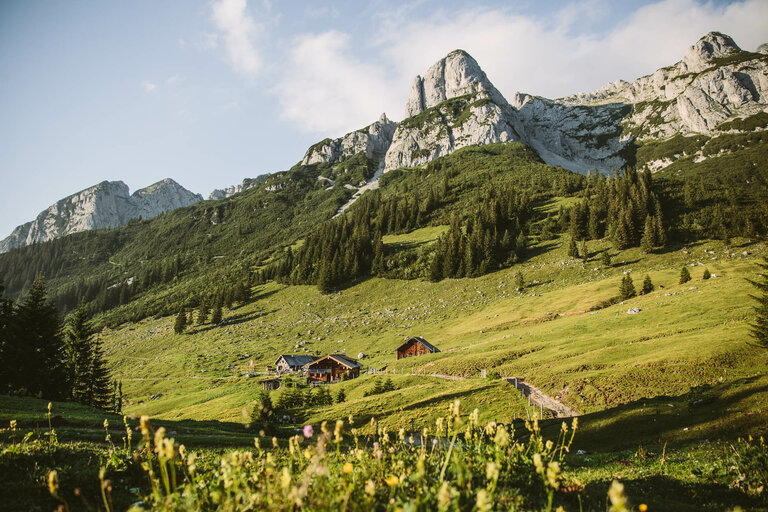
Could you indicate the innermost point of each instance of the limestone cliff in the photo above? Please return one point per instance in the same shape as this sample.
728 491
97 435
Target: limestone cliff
106 205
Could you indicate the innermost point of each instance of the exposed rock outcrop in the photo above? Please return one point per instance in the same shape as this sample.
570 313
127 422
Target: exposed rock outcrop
106 205
373 140
222 193
713 82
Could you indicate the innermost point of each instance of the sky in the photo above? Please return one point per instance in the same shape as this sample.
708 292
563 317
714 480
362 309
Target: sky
209 92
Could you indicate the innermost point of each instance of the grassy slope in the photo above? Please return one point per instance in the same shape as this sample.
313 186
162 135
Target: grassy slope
685 336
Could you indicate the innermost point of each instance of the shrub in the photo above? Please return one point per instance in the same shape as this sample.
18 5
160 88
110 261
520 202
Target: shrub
685 275
706 274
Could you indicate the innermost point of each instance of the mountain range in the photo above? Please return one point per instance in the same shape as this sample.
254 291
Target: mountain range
455 105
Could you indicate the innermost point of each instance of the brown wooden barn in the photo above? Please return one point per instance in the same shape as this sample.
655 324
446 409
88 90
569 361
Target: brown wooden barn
416 346
332 368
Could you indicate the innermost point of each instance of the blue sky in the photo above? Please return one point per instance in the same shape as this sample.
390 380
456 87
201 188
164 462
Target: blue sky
211 92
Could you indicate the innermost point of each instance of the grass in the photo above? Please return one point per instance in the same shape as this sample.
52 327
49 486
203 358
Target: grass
592 361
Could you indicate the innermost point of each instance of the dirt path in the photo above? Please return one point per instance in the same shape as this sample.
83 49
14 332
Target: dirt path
559 409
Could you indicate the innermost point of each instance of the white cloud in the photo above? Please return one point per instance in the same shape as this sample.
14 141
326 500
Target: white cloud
326 89
149 86
239 32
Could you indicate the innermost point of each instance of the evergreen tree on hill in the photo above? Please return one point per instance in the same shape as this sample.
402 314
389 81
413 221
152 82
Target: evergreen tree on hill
759 331
77 343
39 347
217 315
647 285
627 288
685 275
181 321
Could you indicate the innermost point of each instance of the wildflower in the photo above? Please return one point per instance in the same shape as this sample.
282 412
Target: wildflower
483 501
13 424
616 495
337 431
49 407
474 417
159 435
182 451
502 437
370 488
274 443
308 431
53 481
549 445
393 481
553 473
538 463
642 507
324 427
285 478
257 443
145 426
106 423
564 427
377 451
492 471
347 468
575 423
444 496
401 434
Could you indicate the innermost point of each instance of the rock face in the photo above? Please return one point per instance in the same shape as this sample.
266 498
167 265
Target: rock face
106 205
221 193
713 82
373 140
454 105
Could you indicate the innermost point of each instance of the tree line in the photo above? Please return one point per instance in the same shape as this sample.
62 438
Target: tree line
42 356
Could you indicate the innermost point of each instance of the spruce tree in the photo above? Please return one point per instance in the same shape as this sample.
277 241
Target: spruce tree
7 345
647 285
181 321
573 250
759 331
648 240
519 282
685 275
41 368
627 288
584 250
341 397
77 343
706 274
217 314
605 258
202 312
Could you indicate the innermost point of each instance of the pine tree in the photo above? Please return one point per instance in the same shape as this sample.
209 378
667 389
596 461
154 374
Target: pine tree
627 288
648 240
706 274
605 259
519 282
202 312
341 397
262 409
759 331
647 285
217 314
584 250
41 368
573 250
685 275
181 321
77 343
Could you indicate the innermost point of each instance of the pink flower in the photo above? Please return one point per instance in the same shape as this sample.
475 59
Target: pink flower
308 431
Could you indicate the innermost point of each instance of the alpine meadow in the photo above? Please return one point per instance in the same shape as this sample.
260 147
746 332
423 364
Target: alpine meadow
495 303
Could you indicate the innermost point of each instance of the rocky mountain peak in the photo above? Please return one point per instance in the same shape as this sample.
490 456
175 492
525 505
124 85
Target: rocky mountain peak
711 46
456 74
104 205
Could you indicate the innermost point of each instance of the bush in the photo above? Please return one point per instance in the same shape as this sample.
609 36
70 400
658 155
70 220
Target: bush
685 275
750 464
706 274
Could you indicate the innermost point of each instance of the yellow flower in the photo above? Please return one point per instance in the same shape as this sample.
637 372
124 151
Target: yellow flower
53 482
347 468
392 481
643 507
370 488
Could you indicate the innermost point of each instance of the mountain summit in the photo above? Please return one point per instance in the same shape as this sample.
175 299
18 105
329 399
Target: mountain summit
457 74
105 205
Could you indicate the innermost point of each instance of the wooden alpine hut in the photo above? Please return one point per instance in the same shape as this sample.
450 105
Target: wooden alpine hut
416 346
332 368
